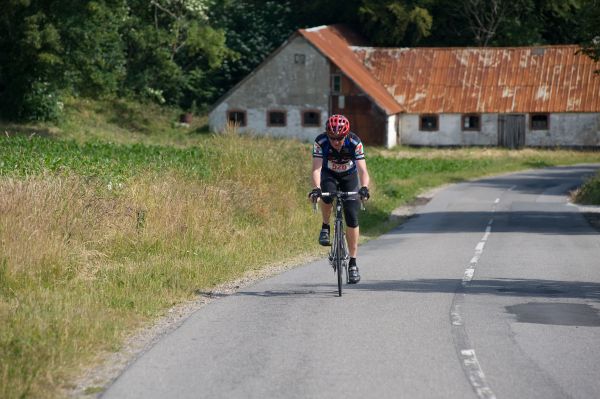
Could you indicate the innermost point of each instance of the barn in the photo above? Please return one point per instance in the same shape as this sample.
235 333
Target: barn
513 97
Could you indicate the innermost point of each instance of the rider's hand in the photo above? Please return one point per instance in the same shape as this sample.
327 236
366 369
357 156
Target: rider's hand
364 193
314 194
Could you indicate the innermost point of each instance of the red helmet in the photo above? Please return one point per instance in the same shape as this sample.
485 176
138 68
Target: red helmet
337 126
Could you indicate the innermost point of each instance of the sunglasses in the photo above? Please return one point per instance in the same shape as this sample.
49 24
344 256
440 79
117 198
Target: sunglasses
336 138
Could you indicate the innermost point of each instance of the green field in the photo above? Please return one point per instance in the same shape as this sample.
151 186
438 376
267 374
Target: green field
103 232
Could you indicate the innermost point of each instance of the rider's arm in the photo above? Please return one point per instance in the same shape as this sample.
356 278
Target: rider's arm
363 173
316 172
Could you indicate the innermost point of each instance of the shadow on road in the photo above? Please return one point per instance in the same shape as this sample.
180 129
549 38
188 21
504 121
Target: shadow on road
502 287
540 221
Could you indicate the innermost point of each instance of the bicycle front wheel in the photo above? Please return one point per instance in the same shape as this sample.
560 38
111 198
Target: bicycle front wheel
340 254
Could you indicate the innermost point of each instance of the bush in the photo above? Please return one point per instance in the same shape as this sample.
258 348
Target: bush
589 192
42 103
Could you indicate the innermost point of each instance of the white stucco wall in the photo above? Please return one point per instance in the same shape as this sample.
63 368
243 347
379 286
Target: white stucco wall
392 132
566 129
450 131
281 84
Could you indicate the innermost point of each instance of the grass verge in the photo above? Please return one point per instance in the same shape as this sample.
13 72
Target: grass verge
589 193
99 238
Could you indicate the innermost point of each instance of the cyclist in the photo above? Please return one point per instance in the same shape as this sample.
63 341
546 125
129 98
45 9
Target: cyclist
339 164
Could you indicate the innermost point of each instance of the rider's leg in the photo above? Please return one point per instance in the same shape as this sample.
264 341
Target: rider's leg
352 234
326 211
328 184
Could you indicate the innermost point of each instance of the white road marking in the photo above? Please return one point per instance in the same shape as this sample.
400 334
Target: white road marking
476 376
469 361
468 276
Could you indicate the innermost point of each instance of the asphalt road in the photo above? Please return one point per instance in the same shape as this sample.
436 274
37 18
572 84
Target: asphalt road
491 290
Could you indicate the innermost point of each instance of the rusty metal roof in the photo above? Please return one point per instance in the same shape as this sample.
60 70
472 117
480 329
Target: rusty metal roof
497 80
334 42
462 80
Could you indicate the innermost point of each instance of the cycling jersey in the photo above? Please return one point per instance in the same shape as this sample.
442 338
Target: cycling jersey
342 162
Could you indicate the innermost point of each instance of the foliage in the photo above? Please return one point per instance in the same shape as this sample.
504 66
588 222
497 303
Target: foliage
393 22
589 193
41 103
171 50
271 24
30 61
590 29
93 53
162 50
505 23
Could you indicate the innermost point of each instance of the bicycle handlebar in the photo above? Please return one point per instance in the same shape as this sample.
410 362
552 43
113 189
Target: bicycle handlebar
340 195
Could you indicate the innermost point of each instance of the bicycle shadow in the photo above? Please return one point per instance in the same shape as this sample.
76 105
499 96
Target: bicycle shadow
312 292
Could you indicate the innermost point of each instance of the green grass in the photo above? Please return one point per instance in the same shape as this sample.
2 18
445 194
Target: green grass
589 193
118 214
23 156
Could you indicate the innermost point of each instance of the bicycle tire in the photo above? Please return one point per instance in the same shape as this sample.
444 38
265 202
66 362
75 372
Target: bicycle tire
346 259
339 259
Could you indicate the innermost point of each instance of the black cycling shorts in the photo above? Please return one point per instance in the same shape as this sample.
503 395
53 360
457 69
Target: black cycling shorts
331 181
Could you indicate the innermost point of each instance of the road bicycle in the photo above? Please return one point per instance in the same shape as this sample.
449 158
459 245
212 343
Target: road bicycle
338 254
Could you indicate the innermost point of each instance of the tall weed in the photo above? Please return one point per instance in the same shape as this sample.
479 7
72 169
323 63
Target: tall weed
82 264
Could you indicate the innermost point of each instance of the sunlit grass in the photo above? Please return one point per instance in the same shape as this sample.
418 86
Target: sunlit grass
589 193
100 234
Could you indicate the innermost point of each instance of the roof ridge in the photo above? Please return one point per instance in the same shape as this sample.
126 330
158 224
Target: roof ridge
466 48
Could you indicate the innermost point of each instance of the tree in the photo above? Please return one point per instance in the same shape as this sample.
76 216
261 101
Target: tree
590 30
30 62
171 49
254 30
94 51
483 17
49 47
504 22
395 22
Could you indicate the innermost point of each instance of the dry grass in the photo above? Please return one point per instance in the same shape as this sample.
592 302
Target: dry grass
82 265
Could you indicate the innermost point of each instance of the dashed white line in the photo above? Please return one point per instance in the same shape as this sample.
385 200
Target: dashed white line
470 364
476 376
468 276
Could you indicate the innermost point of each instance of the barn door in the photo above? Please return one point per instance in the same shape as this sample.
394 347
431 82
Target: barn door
364 119
511 131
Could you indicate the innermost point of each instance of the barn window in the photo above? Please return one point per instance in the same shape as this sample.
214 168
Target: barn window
299 59
471 122
336 84
539 121
276 118
311 118
237 117
428 122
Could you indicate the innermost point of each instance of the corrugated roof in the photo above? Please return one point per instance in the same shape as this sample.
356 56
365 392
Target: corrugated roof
334 42
503 80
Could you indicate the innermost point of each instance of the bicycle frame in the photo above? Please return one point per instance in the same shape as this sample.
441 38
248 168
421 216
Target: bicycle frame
339 255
